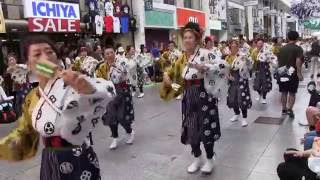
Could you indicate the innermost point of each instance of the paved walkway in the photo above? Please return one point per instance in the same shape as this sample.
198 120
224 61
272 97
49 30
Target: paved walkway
250 153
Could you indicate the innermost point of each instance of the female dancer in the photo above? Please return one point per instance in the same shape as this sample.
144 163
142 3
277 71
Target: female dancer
263 78
239 90
200 118
214 51
146 62
20 85
62 110
120 110
136 71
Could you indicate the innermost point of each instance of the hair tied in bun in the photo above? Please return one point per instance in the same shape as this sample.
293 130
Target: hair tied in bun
194 28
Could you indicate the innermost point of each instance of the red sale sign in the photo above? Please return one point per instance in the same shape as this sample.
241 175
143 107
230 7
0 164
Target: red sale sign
53 25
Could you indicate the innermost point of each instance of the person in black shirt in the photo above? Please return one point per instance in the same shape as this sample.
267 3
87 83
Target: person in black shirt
290 62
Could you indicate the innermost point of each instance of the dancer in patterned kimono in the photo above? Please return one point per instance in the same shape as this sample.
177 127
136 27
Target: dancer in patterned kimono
84 63
200 117
61 112
120 110
135 71
169 56
215 51
20 85
263 78
239 91
146 62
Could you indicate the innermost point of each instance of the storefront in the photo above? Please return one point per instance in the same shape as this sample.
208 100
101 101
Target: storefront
159 24
185 15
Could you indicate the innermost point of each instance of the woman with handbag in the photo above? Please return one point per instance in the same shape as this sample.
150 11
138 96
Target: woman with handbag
61 111
239 91
200 117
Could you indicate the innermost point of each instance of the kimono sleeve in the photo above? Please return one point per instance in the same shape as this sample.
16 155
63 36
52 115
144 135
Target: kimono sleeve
273 60
82 113
101 71
311 87
22 143
77 65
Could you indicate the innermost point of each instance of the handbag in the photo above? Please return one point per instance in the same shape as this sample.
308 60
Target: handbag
284 74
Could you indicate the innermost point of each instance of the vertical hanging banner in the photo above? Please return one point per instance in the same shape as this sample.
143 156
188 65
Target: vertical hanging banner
2 22
51 16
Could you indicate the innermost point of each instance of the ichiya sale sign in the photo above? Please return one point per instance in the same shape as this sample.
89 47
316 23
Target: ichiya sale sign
50 16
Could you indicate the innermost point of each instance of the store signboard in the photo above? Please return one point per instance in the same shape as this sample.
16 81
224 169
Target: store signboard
156 18
313 24
188 15
148 5
52 16
251 3
215 24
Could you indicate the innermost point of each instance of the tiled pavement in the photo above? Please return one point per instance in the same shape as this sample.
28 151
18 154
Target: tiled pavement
250 153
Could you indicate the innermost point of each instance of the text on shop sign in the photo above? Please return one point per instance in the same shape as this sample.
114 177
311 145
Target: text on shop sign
51 9
55 10
53 25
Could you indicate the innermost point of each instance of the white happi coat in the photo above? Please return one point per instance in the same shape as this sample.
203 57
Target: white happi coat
61 111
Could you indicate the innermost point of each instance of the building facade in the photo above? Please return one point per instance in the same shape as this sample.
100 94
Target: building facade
160 21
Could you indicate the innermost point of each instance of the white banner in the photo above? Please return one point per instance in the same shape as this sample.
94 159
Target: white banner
218 9
51 9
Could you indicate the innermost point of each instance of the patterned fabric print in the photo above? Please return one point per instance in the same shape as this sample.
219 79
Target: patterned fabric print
263 78
102 71
119 72
120 109
132 70
78 163
200 118
239 92
61 111
215 54
201 57
215 77
140 75
89 65
243 64
19 73
77 64
144 60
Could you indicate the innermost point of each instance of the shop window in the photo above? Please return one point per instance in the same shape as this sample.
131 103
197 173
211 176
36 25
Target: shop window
187 3
13 12
13 2
172 2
